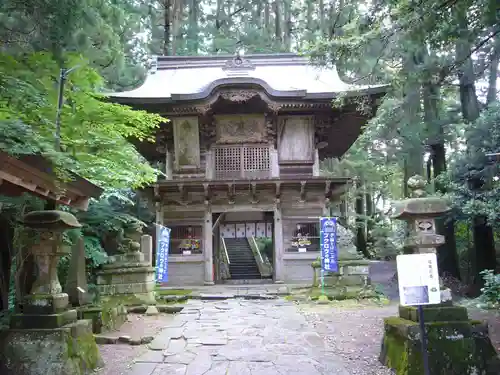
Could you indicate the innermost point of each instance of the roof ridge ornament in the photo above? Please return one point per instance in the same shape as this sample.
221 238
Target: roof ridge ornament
238 63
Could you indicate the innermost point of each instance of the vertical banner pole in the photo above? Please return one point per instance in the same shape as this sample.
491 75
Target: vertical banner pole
423 340
328 246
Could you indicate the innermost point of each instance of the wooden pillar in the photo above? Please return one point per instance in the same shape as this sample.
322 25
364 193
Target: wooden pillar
208 247
316 171
278 246
168 165
159 213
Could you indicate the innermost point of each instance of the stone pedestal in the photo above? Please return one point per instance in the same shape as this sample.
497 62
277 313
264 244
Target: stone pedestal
353 278
68 350
457 345
45 336
128 280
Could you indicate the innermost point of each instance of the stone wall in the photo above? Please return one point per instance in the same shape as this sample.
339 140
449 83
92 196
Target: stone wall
188 270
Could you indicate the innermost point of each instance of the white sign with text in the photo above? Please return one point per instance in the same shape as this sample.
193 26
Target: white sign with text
418 279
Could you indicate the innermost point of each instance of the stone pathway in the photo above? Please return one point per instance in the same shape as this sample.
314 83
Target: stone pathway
238 337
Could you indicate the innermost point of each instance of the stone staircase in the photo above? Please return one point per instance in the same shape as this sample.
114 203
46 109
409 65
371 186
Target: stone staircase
242 261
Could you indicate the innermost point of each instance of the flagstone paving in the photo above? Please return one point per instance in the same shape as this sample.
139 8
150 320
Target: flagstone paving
238 337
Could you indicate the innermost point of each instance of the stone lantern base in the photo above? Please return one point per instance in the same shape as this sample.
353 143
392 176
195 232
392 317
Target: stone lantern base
457 345
69 350
128 280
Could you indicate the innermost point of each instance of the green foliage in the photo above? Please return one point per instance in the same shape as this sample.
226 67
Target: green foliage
266 247
491 290
483 138
94 133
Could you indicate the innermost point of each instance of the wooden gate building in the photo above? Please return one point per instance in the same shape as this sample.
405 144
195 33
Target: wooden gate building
241 157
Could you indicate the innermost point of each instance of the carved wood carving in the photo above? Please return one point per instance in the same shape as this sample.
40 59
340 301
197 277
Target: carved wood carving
240 129
238 96
208 133
187 143
238 63
271 129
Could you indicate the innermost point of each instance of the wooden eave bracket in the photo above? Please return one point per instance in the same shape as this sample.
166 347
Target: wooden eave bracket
156 194
328 192
183 192
277 198
255 198
206 194
230 193
302 191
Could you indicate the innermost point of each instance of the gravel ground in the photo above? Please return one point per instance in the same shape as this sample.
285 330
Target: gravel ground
354 331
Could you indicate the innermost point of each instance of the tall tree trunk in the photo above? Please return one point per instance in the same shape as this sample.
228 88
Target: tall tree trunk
370 214
267 17
447 253
258 14
493 74
287 37
360 220
309 20
414 156
277 22
193 27
219 13
166 27
176 25
484 245
321 12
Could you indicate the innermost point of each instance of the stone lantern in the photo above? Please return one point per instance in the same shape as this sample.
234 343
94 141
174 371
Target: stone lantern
456 345
46 306
45 335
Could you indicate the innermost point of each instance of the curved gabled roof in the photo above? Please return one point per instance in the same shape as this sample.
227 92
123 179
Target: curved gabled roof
182 78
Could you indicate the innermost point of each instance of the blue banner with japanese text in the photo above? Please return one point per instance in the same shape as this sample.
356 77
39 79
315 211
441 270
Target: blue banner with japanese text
328 243
162 247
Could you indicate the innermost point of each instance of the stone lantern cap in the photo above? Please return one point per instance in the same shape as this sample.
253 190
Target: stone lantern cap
51 220
415 208
419 206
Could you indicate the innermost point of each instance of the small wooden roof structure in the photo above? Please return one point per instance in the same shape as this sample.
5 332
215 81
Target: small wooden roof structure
32 174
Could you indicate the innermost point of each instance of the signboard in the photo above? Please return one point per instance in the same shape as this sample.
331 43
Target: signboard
418 279
162 246
328 244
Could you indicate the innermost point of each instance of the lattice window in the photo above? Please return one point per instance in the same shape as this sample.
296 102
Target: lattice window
255 161
242 162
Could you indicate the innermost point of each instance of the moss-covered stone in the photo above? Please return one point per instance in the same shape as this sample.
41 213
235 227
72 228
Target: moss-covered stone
70 350
435 313
114 313
455 348
93 313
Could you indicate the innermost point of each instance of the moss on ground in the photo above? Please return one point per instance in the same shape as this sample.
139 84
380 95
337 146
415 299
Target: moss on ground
173 292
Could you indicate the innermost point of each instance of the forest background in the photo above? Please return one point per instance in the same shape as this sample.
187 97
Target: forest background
440 118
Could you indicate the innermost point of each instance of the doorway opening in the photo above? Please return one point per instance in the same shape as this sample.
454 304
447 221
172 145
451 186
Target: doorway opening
243 247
